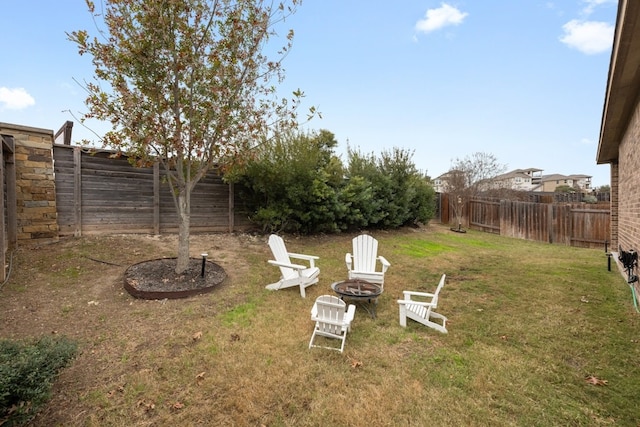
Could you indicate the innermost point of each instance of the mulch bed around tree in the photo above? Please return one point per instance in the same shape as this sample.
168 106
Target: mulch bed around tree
157 279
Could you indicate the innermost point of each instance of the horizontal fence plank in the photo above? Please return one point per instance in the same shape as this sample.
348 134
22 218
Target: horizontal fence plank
99 193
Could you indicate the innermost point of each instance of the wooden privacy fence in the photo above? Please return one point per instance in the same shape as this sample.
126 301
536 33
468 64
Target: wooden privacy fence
99 193
577 224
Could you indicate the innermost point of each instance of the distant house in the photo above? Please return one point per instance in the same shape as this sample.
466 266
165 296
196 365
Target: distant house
519 179
578 182
440 183
530 179
619 143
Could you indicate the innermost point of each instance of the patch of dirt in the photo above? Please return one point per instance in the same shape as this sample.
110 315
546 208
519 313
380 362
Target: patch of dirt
75 288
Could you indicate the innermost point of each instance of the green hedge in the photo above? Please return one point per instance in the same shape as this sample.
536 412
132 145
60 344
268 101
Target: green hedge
27 372
296 183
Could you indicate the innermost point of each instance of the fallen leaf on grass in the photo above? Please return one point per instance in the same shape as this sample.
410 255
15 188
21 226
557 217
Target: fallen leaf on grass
235 337
200 377
596 381
584 299
197 336
120 389
148 406
178 405
355 363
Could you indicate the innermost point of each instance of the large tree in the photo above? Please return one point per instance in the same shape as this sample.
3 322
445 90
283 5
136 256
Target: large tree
186 83
468 177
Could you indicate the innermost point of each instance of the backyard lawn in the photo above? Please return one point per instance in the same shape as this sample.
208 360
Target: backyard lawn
539 335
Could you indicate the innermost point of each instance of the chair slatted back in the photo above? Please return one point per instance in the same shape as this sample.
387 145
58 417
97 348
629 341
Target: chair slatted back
279 250
437 292
365 253
330 314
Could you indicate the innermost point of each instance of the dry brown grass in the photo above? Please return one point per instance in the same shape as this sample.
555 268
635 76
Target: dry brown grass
521 337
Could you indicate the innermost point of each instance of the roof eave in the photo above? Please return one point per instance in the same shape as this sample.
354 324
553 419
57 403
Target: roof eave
623 82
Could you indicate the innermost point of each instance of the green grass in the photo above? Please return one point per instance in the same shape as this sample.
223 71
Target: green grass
528 323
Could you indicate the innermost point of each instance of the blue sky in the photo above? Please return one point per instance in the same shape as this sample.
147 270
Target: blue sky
522 80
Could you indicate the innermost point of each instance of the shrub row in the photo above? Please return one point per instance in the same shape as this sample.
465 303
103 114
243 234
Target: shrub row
296 183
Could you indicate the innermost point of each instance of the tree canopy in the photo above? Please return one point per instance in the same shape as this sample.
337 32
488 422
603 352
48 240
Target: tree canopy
468 177
187 83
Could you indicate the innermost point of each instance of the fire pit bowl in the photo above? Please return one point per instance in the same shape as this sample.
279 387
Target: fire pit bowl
360 291
357 288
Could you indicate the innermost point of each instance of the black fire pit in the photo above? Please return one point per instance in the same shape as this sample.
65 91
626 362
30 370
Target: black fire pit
360 291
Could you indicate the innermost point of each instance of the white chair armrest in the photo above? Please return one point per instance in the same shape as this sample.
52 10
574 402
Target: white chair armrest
409 294
348 259
412 302
310 258
303 256
284 264
384 261
350 314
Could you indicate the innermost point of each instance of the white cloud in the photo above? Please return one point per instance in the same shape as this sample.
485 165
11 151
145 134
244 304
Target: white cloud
592 4
443 16
15 99
589 37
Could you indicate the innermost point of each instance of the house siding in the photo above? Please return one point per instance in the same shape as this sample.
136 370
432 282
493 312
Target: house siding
628 186
614 205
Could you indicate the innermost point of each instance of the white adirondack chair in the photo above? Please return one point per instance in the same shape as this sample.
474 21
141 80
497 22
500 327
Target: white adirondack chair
363 263
419 306
292 274
333 320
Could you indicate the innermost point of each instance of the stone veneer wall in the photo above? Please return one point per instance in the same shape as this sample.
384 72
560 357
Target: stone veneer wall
35 193
628 187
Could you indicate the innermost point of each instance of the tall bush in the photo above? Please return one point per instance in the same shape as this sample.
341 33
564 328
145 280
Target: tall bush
400 195
296 183
290 183
27 372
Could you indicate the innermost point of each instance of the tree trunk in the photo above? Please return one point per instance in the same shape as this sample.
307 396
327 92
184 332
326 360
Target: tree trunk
184 212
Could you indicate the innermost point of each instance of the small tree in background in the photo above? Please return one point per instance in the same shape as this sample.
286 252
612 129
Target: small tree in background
187 85
468 177
564 188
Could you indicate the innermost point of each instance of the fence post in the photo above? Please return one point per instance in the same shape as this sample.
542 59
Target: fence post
550 222
156 197
503 217
232 206
77 191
